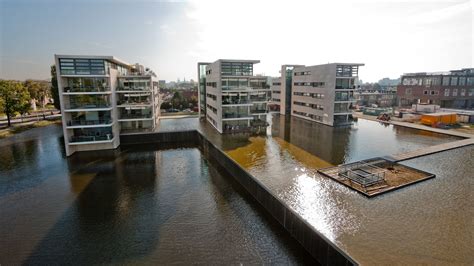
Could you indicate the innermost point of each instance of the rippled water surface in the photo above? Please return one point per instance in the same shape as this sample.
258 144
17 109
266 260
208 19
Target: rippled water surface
430 222
131 205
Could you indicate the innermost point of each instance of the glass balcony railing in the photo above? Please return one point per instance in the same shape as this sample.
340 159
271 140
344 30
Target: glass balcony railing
84 122
89 105
133 88
235 101
144 102
259 99
109 136
344 98
135 116
258 111
86 89
235 115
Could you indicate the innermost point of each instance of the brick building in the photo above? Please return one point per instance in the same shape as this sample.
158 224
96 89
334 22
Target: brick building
453 89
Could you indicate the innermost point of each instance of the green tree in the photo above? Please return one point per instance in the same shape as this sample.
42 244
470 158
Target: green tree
54 88
14 97
38 90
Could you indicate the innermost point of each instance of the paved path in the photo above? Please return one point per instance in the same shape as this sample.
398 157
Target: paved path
430 150
417 126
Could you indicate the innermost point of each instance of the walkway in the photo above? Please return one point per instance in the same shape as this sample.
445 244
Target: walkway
416 126
430 150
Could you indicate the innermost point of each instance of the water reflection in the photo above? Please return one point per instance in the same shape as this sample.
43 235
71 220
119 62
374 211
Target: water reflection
136 204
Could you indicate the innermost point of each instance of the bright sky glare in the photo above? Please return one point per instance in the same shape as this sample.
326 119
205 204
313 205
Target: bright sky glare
390 37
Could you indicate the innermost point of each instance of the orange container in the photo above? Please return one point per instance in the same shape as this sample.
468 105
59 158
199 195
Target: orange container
435 118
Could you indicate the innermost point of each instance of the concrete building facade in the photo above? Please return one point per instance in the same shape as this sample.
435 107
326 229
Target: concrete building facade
236 100
382 98
320 93
453 89
102 97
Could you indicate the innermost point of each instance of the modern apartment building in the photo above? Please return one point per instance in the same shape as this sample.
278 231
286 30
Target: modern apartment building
102 97
320 93
281 88
202 88
236 100
453 89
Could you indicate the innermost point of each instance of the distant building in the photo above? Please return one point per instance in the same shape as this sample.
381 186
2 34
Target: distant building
384 98
387 83
320 93
453 89
236 100
102 97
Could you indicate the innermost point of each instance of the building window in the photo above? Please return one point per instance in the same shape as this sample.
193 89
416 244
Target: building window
425 92
471 92
236 69
454 81
470 81
462 81
82 66
455 92
445 81
276 83
408 91
434 92
463 92
446 92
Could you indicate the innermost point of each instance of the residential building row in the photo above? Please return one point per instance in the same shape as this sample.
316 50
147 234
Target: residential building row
453 89
102 97
232 98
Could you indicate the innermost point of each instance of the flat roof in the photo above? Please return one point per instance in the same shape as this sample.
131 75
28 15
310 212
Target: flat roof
105 57
344 64
239 61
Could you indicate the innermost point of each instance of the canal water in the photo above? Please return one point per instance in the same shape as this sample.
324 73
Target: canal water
426 223
132 205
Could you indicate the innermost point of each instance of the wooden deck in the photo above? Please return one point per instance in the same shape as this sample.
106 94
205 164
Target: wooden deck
396 176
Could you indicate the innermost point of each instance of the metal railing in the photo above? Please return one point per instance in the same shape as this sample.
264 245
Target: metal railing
84 122
86 89
236 115
92 137
88 105
134 116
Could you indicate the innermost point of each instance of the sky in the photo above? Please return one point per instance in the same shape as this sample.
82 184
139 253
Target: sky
389 37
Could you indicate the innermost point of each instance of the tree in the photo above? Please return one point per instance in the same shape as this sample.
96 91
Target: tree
14 97
38 90
54 88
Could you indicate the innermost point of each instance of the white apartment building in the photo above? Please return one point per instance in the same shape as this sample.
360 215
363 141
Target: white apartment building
102 97
236 100
320 93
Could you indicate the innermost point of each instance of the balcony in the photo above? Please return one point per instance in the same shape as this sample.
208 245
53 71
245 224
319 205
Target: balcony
86 90
85 122
89 105
136 116
124 102
92 137
227 101
235 115
258 111
138 89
